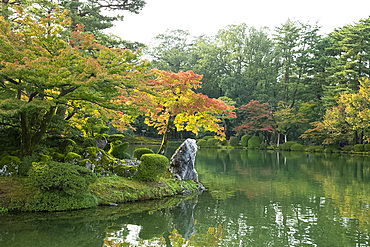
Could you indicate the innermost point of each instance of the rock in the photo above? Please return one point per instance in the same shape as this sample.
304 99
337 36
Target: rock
182 161
100 143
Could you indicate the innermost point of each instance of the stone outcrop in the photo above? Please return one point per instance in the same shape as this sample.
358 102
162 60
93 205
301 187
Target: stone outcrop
182 161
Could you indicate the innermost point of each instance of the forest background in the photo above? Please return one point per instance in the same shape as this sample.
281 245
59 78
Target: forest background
293 81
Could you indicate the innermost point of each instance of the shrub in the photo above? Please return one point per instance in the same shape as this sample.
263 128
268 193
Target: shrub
347 148
152 166
254 142
72 157
119 151
212 142
207 138
287 145
358 148
141 151
224 142
310 149
319 149
234 141
65 177
11 164
202 143
367 147
297 147
244 140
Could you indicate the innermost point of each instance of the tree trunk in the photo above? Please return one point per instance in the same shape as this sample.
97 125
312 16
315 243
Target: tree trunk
166 136
30 139
278 139
355 138
285 137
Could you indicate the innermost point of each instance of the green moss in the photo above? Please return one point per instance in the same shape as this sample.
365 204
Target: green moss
118 151
152 166
11 162
141 151
70 157
254 142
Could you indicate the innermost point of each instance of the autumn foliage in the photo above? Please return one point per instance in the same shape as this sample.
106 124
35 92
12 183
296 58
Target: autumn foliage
176 105
257 117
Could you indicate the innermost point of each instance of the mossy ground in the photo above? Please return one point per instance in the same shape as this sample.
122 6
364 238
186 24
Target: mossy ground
17 194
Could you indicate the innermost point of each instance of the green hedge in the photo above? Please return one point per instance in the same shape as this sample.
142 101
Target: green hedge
202 143
234 141
56 176
254 142
244 140
119 151
141 151
151 167
358 148
297 147
367 147
347 148
212 142
287 145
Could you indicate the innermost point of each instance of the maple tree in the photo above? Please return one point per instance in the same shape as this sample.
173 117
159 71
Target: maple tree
43 76
257 117
176 105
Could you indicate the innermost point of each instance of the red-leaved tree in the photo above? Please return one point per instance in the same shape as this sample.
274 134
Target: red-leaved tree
257 117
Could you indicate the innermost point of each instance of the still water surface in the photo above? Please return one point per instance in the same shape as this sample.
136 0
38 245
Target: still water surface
253 198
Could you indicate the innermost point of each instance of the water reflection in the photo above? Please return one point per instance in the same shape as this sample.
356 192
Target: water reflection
253 199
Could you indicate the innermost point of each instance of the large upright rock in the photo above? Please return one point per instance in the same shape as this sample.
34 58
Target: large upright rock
182 161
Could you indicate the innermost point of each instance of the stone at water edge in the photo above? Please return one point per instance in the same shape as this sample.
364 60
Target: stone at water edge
182 161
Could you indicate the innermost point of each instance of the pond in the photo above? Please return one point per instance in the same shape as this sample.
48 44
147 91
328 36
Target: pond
253 198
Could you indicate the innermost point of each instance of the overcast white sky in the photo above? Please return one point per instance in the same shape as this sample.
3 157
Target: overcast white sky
209 16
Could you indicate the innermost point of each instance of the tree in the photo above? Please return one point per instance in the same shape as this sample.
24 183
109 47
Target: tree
176 105
42 76
357 109
171 51
247 60
257 117
351 55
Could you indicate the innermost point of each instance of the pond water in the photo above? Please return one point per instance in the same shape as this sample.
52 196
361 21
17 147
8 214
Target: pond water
253 198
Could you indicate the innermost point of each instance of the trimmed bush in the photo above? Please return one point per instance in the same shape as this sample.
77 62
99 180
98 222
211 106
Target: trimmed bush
297 147
367 147
254 142
207 138
141 151
358 148
347 148
202 143
287 145
56 176
224 142
212 142
119 151
244 140
234 141
151 167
